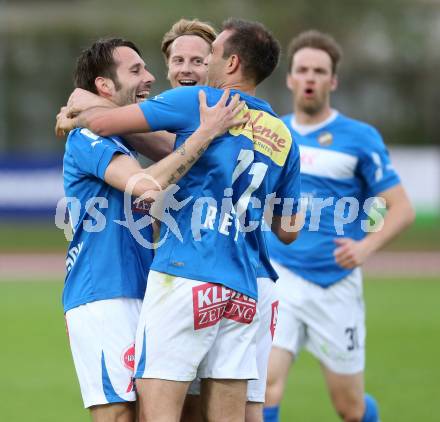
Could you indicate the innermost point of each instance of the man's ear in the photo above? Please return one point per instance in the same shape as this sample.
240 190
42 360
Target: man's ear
289 81
104 86
334 84
233 64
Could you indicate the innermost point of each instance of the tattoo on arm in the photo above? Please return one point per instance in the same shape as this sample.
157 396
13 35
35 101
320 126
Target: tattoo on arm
181 149
172 180
183 168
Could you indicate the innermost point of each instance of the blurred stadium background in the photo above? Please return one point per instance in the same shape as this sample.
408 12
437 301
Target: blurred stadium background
389 78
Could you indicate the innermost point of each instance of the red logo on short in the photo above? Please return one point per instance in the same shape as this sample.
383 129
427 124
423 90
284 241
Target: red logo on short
128 357
130 387
212 302
141 207
274 318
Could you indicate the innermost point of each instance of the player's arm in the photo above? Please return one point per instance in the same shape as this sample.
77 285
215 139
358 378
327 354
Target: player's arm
284 227
214 121
155 145
399 215
105 121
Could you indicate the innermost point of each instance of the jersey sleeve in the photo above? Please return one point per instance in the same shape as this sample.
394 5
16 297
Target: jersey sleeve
375 165
176 110
290 183
92 153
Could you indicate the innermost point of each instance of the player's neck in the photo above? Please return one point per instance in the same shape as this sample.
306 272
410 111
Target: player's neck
304 118
246 87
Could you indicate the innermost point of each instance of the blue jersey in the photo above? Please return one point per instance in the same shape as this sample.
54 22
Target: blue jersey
104 260
223 195
344 162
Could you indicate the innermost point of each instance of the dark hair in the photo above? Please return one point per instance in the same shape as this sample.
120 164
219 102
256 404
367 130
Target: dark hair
318 40
256 47
187 27
98 60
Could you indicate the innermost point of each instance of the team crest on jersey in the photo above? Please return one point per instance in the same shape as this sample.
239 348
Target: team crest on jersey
269 134
127 357
325 139
212 302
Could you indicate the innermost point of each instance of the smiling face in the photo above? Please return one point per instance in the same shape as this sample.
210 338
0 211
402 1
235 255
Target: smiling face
133 81
311 80
186 62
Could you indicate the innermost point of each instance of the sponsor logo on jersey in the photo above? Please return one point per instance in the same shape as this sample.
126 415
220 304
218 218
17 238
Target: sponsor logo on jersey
274 318
325 139
212 302
127 357
269 134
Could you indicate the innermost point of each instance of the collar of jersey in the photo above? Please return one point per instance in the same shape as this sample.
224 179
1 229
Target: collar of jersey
304 130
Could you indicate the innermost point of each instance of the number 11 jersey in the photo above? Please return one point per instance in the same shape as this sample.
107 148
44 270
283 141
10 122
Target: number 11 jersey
210 230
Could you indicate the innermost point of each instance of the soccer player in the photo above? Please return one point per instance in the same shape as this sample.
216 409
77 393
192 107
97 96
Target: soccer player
344 163
199 312
106 267
185 47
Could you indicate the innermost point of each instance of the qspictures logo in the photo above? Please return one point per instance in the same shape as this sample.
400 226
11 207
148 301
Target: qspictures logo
212 302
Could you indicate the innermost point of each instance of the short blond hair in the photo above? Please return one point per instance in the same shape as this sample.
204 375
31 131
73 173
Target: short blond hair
187 27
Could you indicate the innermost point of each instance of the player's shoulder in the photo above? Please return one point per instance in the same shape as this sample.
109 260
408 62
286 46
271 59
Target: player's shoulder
80 138
84 139
361 128
184 92
287 119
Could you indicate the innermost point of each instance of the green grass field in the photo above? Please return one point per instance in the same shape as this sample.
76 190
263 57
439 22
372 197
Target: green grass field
39 384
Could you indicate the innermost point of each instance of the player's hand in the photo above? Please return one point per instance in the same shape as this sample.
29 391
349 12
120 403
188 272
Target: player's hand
81 100
221 117
350 253
64 124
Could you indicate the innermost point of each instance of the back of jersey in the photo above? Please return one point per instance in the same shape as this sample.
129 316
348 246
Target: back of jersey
222 198
104 259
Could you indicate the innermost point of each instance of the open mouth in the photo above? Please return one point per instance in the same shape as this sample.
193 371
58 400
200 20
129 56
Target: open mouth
187 82
142 95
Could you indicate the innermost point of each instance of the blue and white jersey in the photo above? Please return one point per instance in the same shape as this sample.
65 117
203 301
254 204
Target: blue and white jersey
104 260
344 164
215 235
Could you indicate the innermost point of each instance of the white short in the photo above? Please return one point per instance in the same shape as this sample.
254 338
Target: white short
267 308
329 322
102 336
190 328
